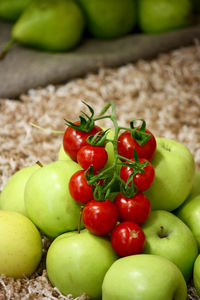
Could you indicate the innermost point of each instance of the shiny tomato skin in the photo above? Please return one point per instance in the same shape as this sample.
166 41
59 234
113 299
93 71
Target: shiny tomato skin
127 239
73 140
92 155
79 189
136 209
143 181
126 144
100 217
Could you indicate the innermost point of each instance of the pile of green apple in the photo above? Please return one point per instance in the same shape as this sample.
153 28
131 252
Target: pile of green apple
37 200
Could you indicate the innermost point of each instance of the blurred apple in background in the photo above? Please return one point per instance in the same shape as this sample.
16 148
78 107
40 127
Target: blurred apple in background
108 19
168 236
174 172
157 16
77 263
10 10
21 245
40 25
12 196
144 277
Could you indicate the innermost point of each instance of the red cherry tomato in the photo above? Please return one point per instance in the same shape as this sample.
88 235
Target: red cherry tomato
143 181
100 217
126 144
79 189
136 209
73 140
128 239
92 155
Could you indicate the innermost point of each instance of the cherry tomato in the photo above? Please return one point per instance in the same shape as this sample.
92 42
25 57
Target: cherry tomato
79 189
92 155
127 239
100 217
143 181
73 140
126 144
136 209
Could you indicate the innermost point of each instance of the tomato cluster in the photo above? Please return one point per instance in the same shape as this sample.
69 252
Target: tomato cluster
121 218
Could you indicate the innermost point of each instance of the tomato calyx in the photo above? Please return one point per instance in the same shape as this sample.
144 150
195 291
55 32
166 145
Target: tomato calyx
134 233
128 188
98 139
86 121
138 133
98 183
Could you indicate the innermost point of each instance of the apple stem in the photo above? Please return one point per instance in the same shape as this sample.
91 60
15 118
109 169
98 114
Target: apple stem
6 48
80 217
39 163
162 233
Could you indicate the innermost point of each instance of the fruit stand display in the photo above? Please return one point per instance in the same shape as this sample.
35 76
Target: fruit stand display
100 176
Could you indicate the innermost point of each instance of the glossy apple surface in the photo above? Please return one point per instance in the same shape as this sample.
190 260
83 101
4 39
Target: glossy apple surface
144 277
48 201
174 171
12 196
21 245
77 263
168 236
189 213
196 274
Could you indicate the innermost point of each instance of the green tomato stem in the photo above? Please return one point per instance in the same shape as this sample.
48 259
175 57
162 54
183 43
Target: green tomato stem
80 218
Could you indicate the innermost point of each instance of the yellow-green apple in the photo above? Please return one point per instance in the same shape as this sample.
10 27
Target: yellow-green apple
166 235
144 277
62 155
189 213
12 196
77 262
196 274
174 171
21 245
48 201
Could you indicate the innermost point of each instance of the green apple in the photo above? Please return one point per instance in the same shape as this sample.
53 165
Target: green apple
12 196
195 190
77 262
196 274
189 213
40 21
21 245
160 16
174 171
109 19
62 155
144 277
48 201
166 235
